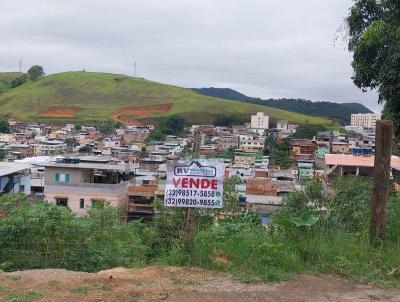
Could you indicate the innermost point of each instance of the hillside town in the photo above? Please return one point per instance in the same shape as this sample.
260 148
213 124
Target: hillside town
79 166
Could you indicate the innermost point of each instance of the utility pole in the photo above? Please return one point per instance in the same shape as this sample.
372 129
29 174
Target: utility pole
191 212
381 181
20 65
135 69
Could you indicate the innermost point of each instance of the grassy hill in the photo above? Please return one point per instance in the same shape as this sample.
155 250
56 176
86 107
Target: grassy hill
88 96
6 78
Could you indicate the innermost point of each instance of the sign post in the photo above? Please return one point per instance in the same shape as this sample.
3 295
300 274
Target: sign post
194 184
381 180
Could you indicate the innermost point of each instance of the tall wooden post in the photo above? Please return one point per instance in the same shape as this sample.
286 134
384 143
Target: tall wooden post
380 189
191 212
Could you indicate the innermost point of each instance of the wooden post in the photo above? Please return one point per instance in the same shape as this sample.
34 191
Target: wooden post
191 212
380 189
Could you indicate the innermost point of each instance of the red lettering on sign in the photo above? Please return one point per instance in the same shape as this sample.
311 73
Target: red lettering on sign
205 183
198 183
194 183
176 181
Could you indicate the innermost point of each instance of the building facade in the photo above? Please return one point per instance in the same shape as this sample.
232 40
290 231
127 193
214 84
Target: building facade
367 120
259 121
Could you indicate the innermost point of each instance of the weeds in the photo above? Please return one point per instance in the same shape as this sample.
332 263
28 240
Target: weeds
301 238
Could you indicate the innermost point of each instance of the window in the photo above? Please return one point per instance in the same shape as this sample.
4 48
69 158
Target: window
62 202
62 177
82 203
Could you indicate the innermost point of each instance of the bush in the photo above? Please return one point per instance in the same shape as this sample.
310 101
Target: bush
350 205
45 235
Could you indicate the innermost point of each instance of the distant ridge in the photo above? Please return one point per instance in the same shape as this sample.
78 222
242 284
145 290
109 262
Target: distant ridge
335 111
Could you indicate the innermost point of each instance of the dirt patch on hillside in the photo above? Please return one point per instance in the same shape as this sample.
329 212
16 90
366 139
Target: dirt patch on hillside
164 283
128 114
60 111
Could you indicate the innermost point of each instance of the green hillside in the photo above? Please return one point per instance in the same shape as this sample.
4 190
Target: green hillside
99 96
6 78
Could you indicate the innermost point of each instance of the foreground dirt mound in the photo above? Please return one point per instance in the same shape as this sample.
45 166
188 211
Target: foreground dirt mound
165 283
60 111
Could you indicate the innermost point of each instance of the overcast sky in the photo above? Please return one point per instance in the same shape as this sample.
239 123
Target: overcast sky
263 48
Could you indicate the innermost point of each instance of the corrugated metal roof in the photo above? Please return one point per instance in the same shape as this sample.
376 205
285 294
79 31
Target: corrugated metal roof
10 168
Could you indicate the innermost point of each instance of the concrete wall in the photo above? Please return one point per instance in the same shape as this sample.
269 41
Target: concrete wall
76 175
116 195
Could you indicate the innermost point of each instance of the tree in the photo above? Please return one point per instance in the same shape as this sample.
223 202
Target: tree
71 142
106 127
4 127
281 154
373 28
308 131
35 72
143 153
19 81
174 124
269 144
228 120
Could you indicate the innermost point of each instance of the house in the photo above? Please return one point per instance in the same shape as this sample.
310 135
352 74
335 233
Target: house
141 195
155 159
348 164
228 142
282 125
14 178
81 185
305 169
245 158
265 195
136 134
19 151
251 142
340 147
7 137
303 147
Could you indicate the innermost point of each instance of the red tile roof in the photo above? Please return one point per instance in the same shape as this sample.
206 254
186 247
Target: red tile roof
353 160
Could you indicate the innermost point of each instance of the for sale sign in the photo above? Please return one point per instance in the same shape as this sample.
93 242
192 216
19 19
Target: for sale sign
194 184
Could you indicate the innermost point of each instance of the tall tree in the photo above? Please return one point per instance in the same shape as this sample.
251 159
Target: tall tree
374 38
35 72
4 127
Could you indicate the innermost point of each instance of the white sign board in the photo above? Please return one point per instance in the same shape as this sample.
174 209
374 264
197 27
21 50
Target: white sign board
194 184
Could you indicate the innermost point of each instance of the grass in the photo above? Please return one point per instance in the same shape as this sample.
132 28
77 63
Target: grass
83 289
6 78
9 295
15 277
336 243
101 94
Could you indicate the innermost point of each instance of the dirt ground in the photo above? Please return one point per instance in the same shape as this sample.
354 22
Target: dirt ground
164 283
128 114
